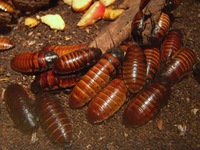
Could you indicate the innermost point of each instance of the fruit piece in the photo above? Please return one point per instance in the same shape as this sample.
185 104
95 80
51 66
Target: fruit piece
68 2
81 5
107 2
31 22
112 14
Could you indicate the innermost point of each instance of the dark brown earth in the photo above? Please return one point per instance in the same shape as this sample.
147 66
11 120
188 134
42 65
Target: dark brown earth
111 134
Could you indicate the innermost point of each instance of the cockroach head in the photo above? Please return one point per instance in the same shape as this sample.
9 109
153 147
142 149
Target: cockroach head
117 52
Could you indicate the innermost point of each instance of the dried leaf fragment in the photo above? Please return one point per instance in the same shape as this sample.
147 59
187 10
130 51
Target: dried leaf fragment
31 22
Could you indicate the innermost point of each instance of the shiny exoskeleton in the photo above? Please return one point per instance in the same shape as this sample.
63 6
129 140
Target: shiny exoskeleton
31 62
171 5
20 108
134 69
146 104
6 7
108 101
196 72
171 44
53 119
96 78
76 60
5 43
143 4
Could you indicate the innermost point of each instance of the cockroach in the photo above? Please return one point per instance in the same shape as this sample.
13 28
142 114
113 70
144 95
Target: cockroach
108 101
146 104
96 78
21 108
31 62
5 43
178 66
64 49
160 30
171 44
53 119
76 61
6 7
143 4
196 72
134 68
171 5
153 59
49 81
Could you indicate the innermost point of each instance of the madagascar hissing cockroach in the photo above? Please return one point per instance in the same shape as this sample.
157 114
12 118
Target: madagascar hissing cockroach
31 62
134 68
53 119
153 59
64 49
160 29
143 4
6 7
171 5
21 108
96 78
180 64
5 43
49 81
146 104
171 44
108 101
196 72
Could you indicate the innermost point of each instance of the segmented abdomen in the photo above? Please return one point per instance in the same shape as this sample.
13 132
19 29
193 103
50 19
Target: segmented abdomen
5 43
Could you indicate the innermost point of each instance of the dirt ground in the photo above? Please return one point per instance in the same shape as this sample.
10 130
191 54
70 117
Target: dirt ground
181 126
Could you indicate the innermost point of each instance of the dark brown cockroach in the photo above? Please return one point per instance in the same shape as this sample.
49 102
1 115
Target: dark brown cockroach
196 72
64 49
49 81
146 104
53 119
31 62
76 60
108 101
160 30
171 44
6 7
134 69
5 43
178 66
153 59
143 4
96 78
171 5
20 108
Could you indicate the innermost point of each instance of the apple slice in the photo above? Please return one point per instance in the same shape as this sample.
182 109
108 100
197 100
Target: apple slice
68 2
107 2
112 14
81 5
94 13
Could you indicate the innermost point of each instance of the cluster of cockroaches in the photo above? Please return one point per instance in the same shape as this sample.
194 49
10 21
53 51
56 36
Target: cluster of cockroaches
105 81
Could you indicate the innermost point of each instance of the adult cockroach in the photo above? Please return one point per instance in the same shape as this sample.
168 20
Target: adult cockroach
143 4
6 7
171 44
49 81
31 62
171 5
64 49
196 72
146 104
178 66
5 43
20 108
96 78
53 119
76 60
134 69
108 101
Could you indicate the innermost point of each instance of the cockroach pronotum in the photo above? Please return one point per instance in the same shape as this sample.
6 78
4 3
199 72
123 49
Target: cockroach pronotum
49 81
6 7
31 62
20 108
108 101
96 78
134 69
196 72
143 4
53 119
64 49
5 43
146 104
171 44
178 66
76 61
153 59
171 5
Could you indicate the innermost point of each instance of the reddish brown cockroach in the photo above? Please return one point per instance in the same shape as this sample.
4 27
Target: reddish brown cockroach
196 72
29 62
20 108
171 44
146 104
5 43
171 5
49 81
76 61
134 69
54 120
64 49
108 101
6 7
96 78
